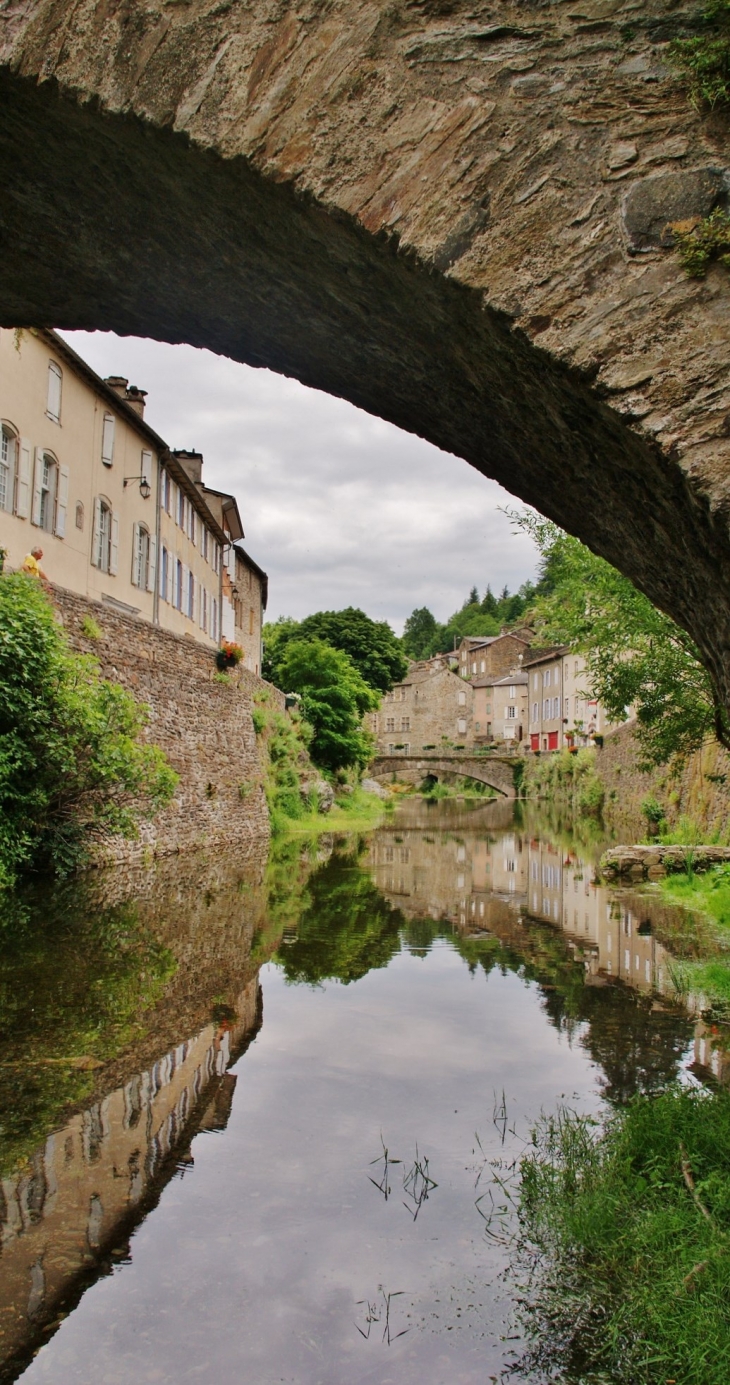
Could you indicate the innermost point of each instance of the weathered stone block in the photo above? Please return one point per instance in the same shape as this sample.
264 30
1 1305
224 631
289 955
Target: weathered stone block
651 204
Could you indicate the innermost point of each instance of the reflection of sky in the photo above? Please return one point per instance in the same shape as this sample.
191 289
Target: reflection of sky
338 507
251 1267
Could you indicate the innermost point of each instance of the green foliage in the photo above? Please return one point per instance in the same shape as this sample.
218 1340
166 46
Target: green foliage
703 61
258 717
635 655
419 633
371 645
632 1225
653 810
568 780
90 629
334 699
72 767
701 241
284 741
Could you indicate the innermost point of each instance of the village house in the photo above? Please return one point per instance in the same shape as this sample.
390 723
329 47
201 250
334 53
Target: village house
562 711
430 709
490 656
500 708
120 517
249 590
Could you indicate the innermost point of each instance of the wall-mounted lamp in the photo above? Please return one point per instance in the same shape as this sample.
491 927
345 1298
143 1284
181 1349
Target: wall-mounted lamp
145 488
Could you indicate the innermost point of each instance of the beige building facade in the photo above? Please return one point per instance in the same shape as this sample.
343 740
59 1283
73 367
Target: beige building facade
562 711
500 709
120 517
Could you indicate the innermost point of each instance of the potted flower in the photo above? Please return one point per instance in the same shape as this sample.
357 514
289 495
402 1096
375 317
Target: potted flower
228 656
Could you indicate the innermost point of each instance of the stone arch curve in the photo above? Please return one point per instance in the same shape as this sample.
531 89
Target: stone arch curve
452 217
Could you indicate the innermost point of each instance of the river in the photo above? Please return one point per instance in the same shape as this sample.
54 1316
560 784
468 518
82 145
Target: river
260 1122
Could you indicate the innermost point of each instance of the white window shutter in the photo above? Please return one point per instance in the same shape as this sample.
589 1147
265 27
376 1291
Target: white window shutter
170 574
62 502
184 592
114 554
22 500
136 579
35 517
96 535
107 440
201 606
152 564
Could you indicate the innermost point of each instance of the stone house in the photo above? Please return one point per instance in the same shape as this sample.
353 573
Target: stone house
500 708
429 709
249 589
491 656
120 517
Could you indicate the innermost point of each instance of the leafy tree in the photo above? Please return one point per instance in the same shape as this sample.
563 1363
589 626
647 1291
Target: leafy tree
72 768
371 644
635 655
277 635
419 632
334 699
490 606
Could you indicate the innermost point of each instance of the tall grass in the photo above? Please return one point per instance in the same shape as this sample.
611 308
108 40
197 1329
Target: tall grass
631 1226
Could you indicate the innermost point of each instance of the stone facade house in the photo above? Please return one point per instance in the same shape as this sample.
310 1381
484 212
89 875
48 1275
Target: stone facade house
430 709
500 708
120 517
492 656
249 590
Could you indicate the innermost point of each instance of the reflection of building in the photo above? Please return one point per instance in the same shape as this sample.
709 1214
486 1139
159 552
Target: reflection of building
82 1192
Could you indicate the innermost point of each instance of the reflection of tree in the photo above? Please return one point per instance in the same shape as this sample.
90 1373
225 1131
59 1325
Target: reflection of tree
73 982
346 928
638 1048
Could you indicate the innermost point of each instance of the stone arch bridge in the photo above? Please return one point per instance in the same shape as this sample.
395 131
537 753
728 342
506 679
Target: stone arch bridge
496 771
451 212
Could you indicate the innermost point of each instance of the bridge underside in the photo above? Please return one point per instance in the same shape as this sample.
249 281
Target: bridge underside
449 221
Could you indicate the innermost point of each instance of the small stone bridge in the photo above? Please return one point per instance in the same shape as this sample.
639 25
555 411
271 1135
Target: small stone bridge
495 770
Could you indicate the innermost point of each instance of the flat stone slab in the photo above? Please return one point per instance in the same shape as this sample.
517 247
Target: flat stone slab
650 862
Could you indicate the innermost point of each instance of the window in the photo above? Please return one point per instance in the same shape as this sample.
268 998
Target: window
164 573
546 708
474 667
214 618
216 557
191 523
165 491
50 494
462 699
556 707
512 692
567 707
178 602
143 558
53 396
390 723
535 711
8 467
482 667
79 515
191 596
577 706
251 619
204 541
203 607
511 713
105 539
107 439
461 726
181 503
575 669
405 723
546 678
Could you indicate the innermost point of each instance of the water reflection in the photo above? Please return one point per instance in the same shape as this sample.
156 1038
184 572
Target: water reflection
452 955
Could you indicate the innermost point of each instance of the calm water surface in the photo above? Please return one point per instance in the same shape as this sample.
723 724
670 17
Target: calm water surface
213 1202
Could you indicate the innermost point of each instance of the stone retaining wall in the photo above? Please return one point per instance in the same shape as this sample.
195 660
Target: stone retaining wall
204 727
699 788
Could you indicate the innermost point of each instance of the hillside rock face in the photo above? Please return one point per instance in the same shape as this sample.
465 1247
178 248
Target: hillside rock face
453 214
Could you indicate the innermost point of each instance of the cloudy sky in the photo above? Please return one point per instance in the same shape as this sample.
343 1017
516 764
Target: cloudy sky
339 508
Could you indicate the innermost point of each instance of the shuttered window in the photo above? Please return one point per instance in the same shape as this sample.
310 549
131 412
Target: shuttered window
53 395
107 440
8 467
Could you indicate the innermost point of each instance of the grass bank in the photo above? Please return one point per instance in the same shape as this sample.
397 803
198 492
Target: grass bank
354 812
631 1225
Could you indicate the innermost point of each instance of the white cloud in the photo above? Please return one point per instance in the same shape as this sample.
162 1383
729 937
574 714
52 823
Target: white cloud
339 507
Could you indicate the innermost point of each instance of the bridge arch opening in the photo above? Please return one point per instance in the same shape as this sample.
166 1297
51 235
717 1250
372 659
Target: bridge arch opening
199 177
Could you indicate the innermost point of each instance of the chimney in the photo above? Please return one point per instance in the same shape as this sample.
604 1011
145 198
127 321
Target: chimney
118 383
193 464
136 399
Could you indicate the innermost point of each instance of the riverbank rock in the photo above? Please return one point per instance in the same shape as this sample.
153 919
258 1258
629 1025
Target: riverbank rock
324 791
651 862
372 786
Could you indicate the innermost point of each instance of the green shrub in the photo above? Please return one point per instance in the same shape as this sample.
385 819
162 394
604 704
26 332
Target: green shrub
259 720
90 629
700 242
703 61
72 767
